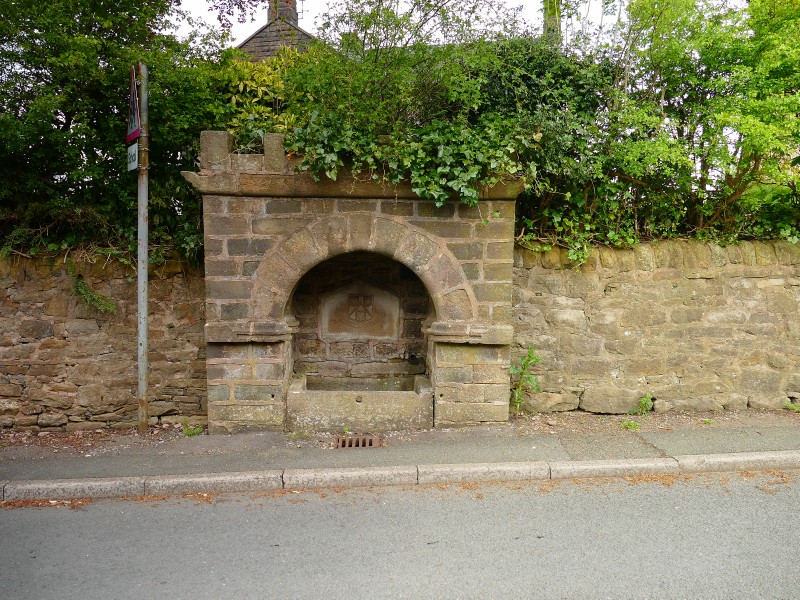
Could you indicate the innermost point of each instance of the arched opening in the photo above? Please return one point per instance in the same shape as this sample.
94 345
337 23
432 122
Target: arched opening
361 321
360 348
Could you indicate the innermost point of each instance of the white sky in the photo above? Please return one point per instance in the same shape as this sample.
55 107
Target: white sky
309 10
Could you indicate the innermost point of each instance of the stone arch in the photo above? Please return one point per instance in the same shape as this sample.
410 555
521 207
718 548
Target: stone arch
331 235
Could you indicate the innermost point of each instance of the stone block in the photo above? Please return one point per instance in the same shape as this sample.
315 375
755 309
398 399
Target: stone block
492 292
570 318
52 419
448 414
457 393
234 312
275 225
235 418
219 393
222 268
455 305
609 400
269 371
445 375
417 251
397 207
766 402
10 390
360 228
500 250
495 229
226 225
274 153
445 229
159 408
496 392
250 393
36 329
496 374
228 289
215 150
301 251
688 403
227 351
81 327
498 271
466 250
761 381
9 407
248 246
544 402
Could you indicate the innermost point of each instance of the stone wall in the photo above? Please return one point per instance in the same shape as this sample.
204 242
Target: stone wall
64 365
697 326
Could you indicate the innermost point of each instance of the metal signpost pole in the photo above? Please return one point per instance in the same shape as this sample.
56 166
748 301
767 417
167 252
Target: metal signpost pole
142 246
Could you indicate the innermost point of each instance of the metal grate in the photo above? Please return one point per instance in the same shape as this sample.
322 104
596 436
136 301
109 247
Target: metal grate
358 441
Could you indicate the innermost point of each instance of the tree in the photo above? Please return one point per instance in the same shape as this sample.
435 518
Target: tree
63 107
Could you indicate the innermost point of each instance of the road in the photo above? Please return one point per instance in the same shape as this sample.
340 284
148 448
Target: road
709 536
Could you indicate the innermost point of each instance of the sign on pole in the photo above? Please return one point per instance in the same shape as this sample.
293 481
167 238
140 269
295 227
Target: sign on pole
134 122
133 156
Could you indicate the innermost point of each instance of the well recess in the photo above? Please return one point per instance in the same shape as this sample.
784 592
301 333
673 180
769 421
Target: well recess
337 285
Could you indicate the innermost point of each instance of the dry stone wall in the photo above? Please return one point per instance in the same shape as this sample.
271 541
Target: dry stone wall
67 366
697 326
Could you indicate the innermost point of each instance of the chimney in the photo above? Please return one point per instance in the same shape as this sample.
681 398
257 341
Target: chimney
285 10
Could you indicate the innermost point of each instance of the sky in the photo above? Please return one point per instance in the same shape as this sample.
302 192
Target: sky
309 10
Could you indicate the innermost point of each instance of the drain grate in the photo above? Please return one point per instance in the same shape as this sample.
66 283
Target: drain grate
358 441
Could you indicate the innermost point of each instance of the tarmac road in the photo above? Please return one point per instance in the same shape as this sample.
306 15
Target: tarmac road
659 536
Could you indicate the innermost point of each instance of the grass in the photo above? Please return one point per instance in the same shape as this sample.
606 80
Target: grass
789 405
629 424
191 431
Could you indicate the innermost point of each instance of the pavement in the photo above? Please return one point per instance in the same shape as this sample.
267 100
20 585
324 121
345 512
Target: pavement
543 447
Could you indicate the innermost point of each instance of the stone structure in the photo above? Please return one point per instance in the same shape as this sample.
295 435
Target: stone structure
67 366
281 30
399 288
695 325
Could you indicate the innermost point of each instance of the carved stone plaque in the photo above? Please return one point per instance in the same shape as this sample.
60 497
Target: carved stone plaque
359 311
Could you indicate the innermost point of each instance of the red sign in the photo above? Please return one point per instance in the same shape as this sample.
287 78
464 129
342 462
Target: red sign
134 124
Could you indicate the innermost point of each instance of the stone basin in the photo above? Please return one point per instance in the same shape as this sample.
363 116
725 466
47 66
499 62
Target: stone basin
364 405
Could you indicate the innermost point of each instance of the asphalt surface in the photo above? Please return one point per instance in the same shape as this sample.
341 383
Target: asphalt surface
275 461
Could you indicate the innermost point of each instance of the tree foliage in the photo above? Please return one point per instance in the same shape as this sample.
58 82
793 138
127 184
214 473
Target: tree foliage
64 86
680 118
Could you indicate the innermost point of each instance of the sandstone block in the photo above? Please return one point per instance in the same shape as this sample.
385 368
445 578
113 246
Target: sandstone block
465 413
36 329
52 420
766 401
9 407
544 402
688 403
10 390
609 399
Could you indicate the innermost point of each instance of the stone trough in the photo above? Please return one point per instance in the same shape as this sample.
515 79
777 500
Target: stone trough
359 405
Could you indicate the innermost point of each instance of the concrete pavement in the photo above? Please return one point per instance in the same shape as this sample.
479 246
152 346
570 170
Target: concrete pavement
270 461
